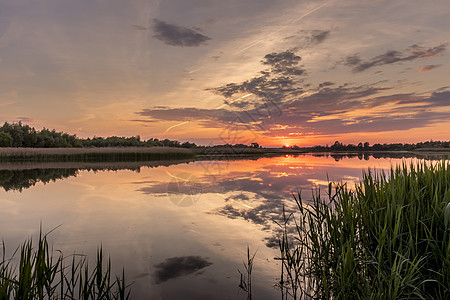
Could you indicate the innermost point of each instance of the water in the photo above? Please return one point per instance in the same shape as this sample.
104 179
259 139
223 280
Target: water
180 230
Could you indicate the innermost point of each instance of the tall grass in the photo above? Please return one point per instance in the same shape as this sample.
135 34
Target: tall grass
245 283
387 239
39 274
108 154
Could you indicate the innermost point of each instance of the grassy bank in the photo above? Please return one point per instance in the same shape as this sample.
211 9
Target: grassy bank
39 272
109 154
132 154
387 239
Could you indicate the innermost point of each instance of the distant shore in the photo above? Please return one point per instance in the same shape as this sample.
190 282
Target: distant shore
139 154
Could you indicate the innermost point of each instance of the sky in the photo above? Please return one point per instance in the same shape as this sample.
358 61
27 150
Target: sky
285 72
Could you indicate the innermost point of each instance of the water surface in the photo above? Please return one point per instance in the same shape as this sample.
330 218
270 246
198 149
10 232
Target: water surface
181 230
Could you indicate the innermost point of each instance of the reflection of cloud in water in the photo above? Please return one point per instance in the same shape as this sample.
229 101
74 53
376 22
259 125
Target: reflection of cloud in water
239 197
258 195
175 267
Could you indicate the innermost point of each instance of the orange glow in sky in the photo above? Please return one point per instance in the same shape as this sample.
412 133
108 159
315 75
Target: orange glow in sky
272 72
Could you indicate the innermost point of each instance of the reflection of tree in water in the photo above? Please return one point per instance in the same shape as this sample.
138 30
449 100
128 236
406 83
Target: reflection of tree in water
20 177
337 156
18 180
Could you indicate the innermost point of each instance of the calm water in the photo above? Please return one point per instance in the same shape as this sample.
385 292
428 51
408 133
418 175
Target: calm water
181 230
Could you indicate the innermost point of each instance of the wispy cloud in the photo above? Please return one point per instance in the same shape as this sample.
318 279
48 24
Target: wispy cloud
175 35
25 119
326 108
392 56
309 38
428 68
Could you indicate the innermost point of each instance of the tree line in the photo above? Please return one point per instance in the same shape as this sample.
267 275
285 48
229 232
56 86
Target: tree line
364 147
23 135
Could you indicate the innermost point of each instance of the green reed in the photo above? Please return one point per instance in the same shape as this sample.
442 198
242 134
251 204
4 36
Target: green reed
39 273
245 283
95 157
386 239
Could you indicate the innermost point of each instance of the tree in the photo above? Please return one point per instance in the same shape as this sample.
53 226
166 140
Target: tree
337 146
5 139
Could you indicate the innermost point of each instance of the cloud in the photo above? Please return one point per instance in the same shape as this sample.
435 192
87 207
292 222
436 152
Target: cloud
175 267
309 38
187 114
278 102
258 197
240 197
428 68
284 63
282 78
327 110
325 84
392 56
255 216
175 35
441 99
25 119
366 114
318 36
142 120
140 27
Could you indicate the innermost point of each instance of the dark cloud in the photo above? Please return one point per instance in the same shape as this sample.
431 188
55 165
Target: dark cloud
440 99
428 68
421 52
407 111
139 27
228 90
246 214
238 104
142 120
179 266
318 36
25 119
309 38
175 35
392 56
325 84
284 63
327 110
280 104
283 78
240 197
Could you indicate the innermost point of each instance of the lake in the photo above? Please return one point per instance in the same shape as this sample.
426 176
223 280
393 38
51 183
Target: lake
180 229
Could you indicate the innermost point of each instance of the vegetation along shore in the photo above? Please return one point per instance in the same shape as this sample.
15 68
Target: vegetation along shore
22 143
43 273
389 238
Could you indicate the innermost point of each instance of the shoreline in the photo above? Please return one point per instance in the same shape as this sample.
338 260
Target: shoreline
155 156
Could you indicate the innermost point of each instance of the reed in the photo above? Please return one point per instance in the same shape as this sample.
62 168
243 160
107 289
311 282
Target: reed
245 283
111 154
40 274
386 239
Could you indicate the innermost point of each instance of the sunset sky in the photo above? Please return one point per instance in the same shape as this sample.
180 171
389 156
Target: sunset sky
237 71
